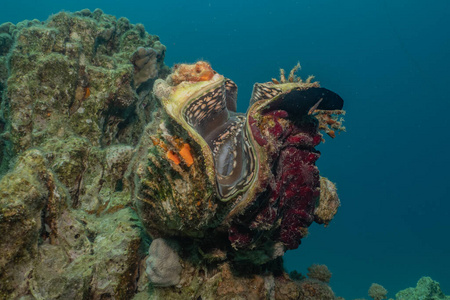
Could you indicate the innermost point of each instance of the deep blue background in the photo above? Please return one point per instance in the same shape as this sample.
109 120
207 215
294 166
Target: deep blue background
389 60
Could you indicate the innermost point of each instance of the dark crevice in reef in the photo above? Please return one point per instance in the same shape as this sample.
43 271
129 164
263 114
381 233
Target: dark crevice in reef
242 269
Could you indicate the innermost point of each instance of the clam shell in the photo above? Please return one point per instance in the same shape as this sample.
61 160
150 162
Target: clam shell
209 171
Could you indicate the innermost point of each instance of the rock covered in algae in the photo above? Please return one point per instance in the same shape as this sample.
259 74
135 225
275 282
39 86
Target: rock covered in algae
319 272
24 193
73 75
50 251
426 289
377 292
74 103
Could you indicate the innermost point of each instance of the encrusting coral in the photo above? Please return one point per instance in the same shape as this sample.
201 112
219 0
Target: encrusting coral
319 272
94 128
377 292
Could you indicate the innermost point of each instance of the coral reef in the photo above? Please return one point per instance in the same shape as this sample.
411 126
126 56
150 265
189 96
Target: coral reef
102 150
426 289
70 117
315 285
377 292
319 272
72 76
314 289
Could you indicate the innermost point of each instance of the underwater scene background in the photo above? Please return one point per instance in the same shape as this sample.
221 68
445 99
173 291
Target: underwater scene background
389 61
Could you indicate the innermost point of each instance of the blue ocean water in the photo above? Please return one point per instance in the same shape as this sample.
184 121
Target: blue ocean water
390 62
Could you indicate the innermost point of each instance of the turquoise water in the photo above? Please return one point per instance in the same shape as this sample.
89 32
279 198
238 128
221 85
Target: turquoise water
390 62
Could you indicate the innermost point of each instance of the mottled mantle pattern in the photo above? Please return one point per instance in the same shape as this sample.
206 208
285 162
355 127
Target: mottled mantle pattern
76 99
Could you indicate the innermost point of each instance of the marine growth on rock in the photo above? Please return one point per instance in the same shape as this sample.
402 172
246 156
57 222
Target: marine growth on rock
103 148
73 92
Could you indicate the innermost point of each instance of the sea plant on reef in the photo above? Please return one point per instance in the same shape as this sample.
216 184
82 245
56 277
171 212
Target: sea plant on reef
212 174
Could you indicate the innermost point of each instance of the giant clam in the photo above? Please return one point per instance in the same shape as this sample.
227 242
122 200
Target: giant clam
229 180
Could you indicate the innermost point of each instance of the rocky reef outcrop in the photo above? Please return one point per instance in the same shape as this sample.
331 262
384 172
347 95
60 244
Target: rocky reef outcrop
104 148
426 289
72 111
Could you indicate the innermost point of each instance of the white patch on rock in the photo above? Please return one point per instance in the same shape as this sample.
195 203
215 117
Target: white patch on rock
163 264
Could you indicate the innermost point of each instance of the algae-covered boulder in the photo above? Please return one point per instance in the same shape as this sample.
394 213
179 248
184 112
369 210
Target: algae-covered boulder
75 99
24 193
426 289
74 75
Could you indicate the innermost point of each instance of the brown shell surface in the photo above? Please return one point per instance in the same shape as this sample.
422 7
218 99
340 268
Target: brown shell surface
175 195
177 182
